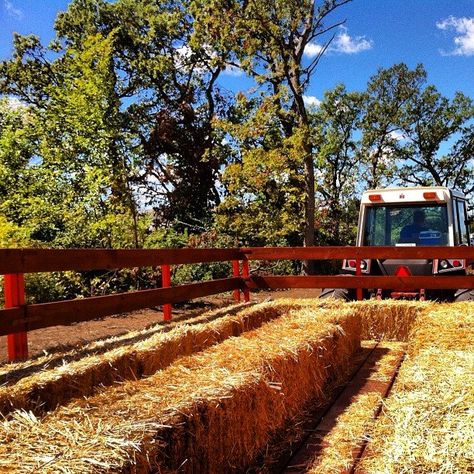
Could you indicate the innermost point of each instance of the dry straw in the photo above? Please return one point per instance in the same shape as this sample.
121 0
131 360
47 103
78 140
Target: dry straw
389 320
44 390
428 421
210 412
354 424
217 409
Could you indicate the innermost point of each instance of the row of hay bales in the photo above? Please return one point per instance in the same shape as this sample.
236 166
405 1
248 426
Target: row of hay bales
213 411
427 423
42 390
195 398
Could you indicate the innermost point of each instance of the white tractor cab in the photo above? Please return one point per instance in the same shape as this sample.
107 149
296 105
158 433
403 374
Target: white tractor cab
410 217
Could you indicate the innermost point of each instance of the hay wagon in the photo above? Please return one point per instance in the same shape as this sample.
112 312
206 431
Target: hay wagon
282 386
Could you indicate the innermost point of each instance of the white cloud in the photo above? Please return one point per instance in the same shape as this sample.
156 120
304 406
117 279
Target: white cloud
346 44
465 40
311 100
312 50
233 71
184 60
11 10
343 43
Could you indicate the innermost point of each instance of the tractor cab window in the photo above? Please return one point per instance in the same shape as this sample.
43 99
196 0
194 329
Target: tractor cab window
461 232
418 224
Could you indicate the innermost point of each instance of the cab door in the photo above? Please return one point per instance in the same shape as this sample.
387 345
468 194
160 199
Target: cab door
461 228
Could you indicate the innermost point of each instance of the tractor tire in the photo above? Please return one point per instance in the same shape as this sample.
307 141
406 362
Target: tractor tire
464 295
336 293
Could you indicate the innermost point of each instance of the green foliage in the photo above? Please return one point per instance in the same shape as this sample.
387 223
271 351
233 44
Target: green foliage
335 124
405 126
264 200
118 135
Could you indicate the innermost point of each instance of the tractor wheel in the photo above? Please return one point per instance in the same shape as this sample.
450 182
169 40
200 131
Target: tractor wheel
464 295
336 293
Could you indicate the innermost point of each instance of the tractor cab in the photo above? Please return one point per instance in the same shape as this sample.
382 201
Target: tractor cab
434 216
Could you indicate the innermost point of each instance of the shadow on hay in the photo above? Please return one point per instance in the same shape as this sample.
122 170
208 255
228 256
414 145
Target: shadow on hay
280 452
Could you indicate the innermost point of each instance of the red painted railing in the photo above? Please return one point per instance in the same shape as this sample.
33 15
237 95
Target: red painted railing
17 317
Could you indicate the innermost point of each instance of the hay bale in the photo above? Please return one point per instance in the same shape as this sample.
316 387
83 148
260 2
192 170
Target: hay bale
428 421
446 326
389 320
210 412
43 391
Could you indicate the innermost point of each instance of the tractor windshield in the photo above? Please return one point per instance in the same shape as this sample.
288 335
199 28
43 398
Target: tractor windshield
414 224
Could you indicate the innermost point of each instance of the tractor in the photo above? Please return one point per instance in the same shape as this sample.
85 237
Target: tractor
417 216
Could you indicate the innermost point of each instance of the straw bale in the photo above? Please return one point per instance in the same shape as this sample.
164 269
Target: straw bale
352 427
11 372
45 390
209 412
389 320
446 326
428 422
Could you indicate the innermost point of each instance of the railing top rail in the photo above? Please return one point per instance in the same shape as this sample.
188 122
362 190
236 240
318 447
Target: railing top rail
322 253
50 260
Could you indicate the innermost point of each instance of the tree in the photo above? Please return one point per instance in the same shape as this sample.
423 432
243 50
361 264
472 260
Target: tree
126 97
169 82
412 134
73 173
336 122
267 40
430 121
387 95
263 201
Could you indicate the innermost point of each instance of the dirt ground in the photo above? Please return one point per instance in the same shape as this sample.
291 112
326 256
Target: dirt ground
61 337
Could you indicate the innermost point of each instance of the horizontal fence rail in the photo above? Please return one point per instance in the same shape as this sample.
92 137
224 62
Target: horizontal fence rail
17 317
55 260
340 253
366 282
36 316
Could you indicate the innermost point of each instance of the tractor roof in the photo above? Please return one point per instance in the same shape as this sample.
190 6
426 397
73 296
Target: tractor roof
410 194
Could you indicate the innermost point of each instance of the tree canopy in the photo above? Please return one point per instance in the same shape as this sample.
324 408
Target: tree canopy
120 134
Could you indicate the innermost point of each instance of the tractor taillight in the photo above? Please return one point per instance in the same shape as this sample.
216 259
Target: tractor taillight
375 197
351 265
430 195
444 264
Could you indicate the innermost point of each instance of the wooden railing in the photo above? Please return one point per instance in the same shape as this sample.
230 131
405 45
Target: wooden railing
17 317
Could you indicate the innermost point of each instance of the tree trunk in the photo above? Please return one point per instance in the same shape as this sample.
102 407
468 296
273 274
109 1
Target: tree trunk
308 265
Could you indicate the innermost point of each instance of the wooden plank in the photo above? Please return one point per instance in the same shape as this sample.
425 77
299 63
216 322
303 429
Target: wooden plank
339 253
49 260
384 282
38 316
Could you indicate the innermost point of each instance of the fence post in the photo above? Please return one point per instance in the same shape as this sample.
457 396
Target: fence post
236 273
14 285
358 273
246 276
166 283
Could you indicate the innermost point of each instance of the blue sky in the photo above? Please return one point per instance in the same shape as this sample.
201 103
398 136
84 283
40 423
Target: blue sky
377 33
